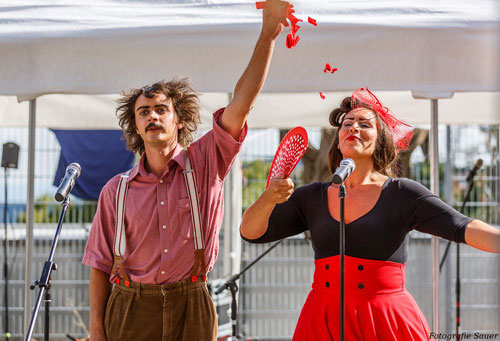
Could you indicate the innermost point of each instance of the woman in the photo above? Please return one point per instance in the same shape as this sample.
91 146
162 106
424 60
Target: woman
380 210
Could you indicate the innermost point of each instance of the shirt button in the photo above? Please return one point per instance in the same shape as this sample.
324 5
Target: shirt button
161 181
327 284
164 227
163 272
360 267
361 286
162 203
327 266
165 250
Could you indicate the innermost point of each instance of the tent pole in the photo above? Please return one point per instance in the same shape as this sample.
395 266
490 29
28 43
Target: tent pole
236 208
226 221
434 164
29 215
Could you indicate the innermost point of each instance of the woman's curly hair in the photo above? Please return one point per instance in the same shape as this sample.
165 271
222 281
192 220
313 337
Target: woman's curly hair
384 156
184 99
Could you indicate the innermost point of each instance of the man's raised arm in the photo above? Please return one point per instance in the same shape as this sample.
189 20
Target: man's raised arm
251 82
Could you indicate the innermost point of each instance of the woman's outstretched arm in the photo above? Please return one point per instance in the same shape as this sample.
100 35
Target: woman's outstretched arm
482 236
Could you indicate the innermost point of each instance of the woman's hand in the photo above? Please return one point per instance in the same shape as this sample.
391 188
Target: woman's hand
256 218
279 191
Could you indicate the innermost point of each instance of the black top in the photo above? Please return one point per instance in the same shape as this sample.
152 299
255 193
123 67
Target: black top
380 234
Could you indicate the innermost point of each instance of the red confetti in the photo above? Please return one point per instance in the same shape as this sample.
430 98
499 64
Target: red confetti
260 4
321 95
289 41
312 21
328 69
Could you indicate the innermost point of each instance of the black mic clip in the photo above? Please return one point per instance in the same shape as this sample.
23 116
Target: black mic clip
473 171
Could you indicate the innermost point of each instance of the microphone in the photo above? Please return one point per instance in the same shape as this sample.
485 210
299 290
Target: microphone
347 166
72 173
473 171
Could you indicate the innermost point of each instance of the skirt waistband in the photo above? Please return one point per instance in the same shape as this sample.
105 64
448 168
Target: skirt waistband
361 276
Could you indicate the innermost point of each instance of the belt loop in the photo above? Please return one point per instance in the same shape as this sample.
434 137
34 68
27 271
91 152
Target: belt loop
138 289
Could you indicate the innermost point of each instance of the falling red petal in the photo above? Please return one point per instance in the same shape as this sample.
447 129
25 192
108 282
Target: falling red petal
321 95
328 68
312 21
260 4
334 69
289 41
296 41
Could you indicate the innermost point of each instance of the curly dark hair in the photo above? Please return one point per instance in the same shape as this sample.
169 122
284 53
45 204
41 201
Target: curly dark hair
184 99
384 156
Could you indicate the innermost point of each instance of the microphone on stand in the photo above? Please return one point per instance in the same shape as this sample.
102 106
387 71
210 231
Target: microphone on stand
72 173
473 171
347 166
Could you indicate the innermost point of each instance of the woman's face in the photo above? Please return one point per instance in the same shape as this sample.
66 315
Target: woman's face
358 133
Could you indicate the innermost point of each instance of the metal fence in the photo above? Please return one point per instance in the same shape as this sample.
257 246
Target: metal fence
273 292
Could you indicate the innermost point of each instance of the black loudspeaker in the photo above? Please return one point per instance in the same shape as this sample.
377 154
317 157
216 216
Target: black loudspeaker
10 155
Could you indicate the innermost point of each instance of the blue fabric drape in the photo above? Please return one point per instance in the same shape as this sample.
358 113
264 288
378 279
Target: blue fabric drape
101 155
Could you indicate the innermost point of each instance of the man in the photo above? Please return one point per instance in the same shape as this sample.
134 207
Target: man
155 232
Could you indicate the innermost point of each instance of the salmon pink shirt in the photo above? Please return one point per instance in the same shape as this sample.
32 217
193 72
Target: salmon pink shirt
160 244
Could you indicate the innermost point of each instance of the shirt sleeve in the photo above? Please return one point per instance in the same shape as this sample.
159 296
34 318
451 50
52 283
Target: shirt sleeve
425 212
287 219
98 251
218 147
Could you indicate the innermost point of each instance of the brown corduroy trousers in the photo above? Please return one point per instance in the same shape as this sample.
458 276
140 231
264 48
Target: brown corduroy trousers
170 312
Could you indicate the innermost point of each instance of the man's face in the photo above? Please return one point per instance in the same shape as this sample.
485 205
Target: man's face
156 120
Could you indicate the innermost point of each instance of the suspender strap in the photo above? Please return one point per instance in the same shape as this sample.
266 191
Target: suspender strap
121 200
193 204
118 264
199 242
120 237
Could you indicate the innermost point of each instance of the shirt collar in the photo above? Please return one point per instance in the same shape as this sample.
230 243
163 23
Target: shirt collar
178 156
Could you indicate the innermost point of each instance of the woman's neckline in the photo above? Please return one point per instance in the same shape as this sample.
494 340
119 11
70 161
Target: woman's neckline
325 202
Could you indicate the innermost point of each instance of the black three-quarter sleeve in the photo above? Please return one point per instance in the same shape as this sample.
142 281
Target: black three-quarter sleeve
425 212
287 219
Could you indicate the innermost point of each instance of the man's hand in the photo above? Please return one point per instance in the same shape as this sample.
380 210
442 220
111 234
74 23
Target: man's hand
274 18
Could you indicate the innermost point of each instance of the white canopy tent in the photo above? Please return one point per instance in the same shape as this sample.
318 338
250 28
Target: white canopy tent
430 48
105 46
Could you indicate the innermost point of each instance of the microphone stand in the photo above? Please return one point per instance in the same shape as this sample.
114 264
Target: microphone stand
233 287
458 283
44 283
342 195
5 261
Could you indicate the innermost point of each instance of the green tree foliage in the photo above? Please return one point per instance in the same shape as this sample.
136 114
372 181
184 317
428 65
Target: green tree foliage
47 210
255 175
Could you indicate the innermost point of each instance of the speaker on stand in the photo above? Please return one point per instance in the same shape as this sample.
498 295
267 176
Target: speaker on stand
10 157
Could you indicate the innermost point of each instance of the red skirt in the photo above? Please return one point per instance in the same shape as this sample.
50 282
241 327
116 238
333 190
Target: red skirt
377 305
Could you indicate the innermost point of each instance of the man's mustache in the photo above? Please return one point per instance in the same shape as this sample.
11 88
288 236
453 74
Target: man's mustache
153 125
